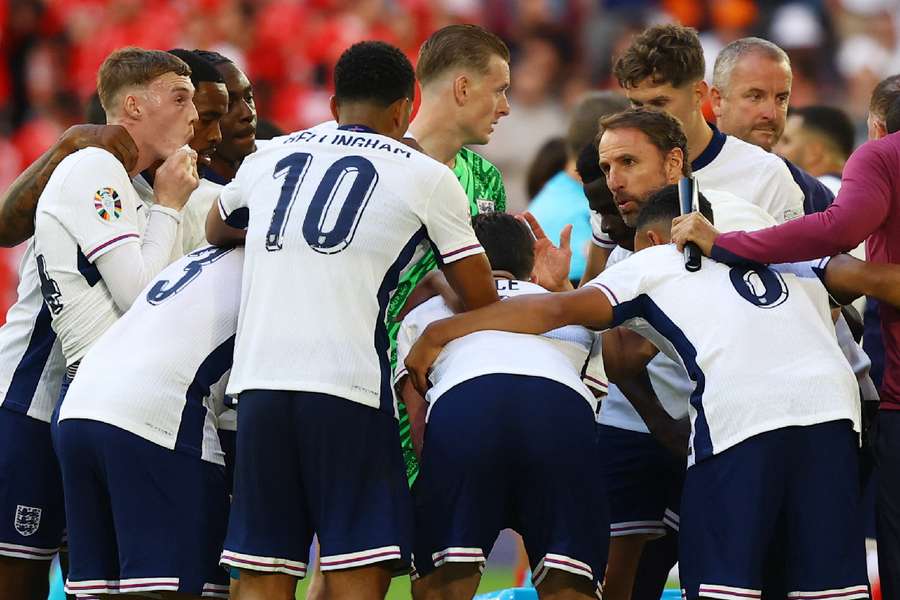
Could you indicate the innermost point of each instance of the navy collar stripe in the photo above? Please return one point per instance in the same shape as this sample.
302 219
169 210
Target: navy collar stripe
711 151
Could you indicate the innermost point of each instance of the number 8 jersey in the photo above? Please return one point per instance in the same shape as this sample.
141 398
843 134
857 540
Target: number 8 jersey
333 219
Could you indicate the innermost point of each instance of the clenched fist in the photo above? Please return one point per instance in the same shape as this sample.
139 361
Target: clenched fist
176 178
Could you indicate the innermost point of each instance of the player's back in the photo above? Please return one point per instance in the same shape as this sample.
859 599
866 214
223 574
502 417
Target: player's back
154 372
758 342
334 219
570 355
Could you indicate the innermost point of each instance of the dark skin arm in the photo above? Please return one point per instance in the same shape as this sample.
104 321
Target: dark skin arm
416 408
471 280
220 233
18 204
847 278
533 313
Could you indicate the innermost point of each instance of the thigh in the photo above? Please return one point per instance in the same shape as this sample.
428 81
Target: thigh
824 535
633 469
94 553
170 510
461 496
32 512
887 502
269 527
729 512
354 482
561 511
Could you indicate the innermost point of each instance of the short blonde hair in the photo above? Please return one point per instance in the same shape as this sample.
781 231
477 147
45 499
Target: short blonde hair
134 66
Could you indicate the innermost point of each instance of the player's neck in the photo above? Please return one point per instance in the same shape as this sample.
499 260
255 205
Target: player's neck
146 156
699 135
503 275
223 167
431 131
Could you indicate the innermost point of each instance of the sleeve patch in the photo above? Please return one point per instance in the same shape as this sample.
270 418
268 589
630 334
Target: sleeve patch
108 204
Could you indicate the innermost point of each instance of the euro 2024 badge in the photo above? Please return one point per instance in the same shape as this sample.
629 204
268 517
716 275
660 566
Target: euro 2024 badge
108 204
28 519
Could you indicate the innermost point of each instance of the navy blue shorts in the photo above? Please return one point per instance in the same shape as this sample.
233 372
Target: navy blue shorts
796 486
141 517
32 513
643 481
511 451
228 441
313 463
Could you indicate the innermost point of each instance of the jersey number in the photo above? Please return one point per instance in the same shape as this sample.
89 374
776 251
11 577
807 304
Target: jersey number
164 289
336 206
49 288
759 285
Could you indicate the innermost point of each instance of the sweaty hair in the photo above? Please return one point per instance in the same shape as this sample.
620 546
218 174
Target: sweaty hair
134 66
733 52
585 121
665 53
831 123
201 69
458 46
663 206
214 58
662 129
508 243
373 72
884 95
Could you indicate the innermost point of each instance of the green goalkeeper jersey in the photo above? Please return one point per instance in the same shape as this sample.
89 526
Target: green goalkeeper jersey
484 186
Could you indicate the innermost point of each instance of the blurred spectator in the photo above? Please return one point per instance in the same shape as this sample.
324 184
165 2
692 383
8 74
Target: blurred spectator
562 202
819 140
536 112
549 160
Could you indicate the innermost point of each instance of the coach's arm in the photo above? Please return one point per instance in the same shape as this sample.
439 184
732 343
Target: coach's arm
532 313
18 204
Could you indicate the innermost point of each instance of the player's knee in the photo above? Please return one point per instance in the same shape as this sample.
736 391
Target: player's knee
267 586
561 585
26 579
451 581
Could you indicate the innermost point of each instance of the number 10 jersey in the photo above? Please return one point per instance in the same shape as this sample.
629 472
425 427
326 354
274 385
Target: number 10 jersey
333 219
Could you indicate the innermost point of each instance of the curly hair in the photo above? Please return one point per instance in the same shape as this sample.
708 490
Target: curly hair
665 53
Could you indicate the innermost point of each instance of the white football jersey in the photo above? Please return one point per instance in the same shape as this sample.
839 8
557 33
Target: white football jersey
194 213
668 378
757 342
335 217
730 164
159 371
569 355
88 208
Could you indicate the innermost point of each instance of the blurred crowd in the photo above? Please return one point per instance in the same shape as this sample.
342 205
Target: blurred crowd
51 50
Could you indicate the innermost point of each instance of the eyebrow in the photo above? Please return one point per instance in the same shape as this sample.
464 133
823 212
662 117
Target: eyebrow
181 88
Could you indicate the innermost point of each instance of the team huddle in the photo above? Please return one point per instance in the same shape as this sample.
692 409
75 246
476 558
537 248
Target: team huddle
223 347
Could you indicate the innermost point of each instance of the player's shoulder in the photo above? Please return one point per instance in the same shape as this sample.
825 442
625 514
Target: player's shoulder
91 162
477 162
733 213
752 157
430 310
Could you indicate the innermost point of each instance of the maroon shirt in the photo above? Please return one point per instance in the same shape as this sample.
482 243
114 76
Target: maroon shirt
867 208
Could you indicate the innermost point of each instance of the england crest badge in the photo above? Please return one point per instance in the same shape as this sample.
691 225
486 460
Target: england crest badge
28 519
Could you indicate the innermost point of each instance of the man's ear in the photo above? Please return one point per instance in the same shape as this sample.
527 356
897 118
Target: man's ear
461 86
715 100
333 105
674 164
131 107
701 89
655 238
533 278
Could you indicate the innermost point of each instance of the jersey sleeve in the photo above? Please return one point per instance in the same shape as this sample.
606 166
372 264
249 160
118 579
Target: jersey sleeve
447 219
407 335
779 194
97 205
232 204
624 286
597 236
594 374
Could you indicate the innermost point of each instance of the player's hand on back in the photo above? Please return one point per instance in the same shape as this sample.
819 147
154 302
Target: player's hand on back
176 178
420 358
694 228
115 139
551 262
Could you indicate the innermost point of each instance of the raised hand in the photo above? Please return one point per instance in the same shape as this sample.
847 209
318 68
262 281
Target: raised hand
551 263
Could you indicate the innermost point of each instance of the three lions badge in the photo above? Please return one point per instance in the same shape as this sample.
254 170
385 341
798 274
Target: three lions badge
28 519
